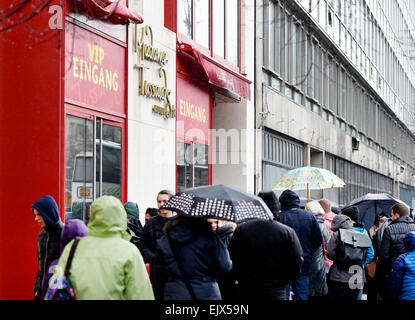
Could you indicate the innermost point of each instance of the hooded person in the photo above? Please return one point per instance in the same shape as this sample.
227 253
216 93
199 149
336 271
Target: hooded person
73 228
308 231
106 265
189 259
46 214
402 280
339 278
134 226
272 202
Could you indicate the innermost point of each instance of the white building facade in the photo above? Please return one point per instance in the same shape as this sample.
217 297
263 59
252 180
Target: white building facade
190 97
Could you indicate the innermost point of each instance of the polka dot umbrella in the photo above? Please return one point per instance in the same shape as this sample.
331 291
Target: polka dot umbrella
218 202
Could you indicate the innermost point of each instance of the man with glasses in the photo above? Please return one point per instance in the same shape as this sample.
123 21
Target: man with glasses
153 231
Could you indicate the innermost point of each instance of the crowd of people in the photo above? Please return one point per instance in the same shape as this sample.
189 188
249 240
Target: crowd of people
310 253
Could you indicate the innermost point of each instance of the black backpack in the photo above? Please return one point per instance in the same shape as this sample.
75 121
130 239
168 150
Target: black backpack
352 248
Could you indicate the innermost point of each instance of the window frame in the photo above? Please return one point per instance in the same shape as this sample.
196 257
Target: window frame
210 51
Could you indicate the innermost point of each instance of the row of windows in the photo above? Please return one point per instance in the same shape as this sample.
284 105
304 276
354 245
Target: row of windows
398 142
359 180
364 33
281 151
281 154
313 77
195 18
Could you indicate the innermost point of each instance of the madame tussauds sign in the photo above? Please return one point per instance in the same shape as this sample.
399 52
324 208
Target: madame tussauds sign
143 45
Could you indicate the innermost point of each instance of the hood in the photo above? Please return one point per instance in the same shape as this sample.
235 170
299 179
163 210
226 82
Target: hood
409 241
48 209
271 200
108 218
341 221
132 209
73 228
224 231
288 200
185 230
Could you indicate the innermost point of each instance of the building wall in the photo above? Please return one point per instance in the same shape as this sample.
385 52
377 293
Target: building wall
308 120
31 140
151 137
237 121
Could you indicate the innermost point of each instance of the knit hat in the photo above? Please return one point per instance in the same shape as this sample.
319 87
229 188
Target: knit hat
352 212
132 210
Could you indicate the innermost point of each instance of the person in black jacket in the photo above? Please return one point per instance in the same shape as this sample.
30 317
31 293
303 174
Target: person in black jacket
392 245
153 231
202 259
308 231
46 214
224 230
134 226
266 256
150 213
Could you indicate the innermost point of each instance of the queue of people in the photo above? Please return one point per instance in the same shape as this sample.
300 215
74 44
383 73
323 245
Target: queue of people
306 253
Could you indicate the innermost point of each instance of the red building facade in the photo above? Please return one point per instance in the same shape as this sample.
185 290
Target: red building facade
60 89
64 118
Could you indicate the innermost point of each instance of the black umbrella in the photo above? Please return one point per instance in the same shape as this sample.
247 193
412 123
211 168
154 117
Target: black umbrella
219 202
372 204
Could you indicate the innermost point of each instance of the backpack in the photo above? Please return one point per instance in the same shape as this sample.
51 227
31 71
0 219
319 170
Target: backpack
352 248
62 289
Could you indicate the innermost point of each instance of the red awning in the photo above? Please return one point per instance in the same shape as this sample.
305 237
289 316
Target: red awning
222 79
112 11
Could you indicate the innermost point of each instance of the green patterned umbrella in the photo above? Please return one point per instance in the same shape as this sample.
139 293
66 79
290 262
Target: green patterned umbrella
308 178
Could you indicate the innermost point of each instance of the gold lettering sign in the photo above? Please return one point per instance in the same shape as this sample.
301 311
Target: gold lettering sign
93 71
192 111
143 45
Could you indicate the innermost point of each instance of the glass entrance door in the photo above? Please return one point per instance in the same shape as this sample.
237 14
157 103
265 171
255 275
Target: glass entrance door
91 172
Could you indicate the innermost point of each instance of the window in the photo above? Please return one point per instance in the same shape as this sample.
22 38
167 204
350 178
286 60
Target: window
202 28
194 21
298 97
232 31
92 171
276 83
192 165
308 104
185 17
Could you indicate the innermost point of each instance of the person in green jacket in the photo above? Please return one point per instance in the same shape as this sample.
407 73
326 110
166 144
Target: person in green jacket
106 266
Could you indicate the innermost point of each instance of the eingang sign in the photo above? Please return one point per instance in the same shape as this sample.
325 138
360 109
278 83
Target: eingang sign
94 71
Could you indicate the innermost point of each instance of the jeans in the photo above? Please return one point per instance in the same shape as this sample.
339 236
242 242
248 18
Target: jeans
300 288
